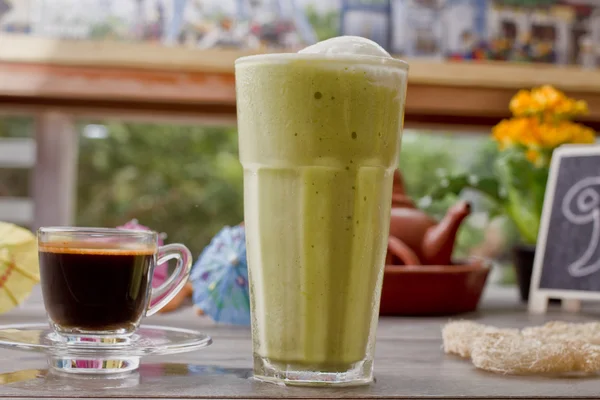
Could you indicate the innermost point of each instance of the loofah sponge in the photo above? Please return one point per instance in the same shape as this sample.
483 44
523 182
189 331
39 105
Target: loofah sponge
554 348
588 332
459 336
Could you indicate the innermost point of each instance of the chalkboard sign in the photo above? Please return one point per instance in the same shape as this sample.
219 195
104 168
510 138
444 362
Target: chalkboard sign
567 259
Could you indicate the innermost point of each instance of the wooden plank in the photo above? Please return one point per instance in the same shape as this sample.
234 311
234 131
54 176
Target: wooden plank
115 84
148 79
445 100
426 106
16 210
444 91
55 175
497 74
152 56
17 152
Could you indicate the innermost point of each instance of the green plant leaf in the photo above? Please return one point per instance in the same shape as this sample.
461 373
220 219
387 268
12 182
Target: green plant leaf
525 185
454 184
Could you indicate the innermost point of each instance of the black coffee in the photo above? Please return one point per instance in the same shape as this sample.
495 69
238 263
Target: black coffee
95 289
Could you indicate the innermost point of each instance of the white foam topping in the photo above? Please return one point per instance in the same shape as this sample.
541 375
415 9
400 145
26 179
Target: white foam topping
347 45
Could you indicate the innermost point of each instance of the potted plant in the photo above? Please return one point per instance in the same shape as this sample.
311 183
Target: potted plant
542 120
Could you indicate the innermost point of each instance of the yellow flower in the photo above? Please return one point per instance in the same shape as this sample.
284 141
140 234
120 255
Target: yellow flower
570 108
541 123
512 132
546 102
503 133
533 155
551 136
531 133
522 104
582 135
547 98
580 107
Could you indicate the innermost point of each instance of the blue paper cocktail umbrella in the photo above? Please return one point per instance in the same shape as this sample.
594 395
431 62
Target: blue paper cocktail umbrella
220 278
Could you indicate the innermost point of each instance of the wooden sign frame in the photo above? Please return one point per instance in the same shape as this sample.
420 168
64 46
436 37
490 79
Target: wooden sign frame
539 297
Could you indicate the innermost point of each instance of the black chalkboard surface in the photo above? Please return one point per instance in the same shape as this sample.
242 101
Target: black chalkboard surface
567 259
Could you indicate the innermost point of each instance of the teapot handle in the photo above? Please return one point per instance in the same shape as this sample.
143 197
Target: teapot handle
399 249
402 201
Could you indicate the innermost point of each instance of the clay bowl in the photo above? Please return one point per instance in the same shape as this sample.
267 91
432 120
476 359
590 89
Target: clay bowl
433 289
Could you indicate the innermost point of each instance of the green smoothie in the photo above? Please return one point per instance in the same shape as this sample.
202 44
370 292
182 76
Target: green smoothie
319 138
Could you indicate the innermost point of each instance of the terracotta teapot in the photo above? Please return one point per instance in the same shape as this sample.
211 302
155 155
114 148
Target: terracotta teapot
415 237
399 197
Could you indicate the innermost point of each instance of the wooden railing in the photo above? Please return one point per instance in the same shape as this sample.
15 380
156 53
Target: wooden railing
156 81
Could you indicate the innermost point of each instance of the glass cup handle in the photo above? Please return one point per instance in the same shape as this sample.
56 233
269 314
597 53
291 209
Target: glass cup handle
178 278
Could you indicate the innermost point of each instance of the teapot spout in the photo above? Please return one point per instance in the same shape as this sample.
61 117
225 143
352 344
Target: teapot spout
438 243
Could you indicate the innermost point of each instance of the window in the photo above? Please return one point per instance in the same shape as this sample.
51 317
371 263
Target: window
17 157
185 181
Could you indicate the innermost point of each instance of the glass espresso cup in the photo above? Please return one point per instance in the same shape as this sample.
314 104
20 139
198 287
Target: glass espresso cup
97 282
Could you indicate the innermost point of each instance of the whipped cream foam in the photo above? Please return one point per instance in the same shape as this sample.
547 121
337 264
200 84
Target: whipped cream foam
350 47
347 45
346 54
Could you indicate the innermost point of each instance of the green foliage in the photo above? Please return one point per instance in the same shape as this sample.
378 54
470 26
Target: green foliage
182 180
20 127
455 184
517 187
186 181
325 25
111 28
423 158
525 186
14 182
485 158
428 158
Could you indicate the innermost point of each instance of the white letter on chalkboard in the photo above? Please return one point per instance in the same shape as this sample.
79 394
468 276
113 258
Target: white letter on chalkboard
587 202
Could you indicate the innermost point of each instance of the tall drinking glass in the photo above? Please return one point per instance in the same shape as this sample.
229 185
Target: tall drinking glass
319 138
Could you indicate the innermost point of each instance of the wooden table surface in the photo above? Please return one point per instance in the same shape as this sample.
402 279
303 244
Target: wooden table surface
409 364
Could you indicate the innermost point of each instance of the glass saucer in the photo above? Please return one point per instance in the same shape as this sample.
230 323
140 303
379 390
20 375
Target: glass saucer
97 354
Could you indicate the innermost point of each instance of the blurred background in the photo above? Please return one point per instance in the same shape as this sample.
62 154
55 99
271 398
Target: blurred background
112 110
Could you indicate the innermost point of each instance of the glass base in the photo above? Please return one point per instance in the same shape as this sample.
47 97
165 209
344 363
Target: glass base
96 341
358 374
113 365
116 335
100 355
